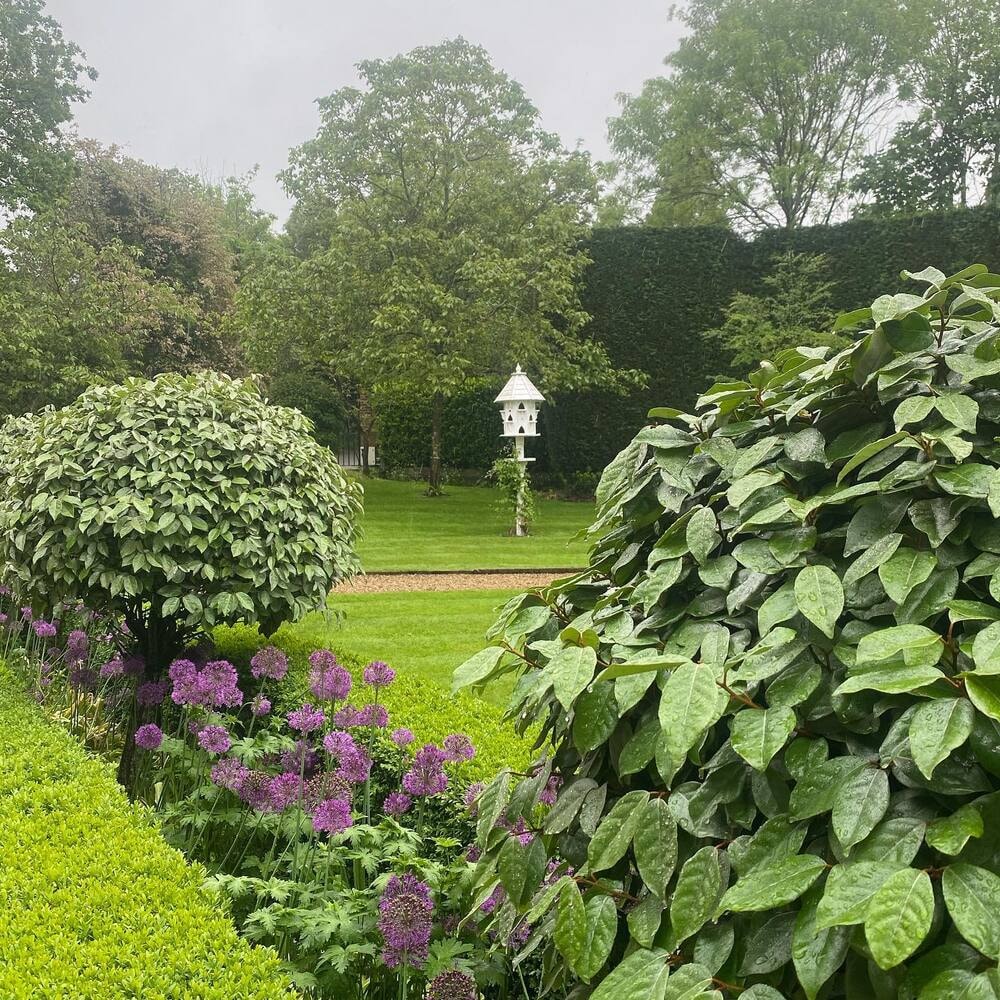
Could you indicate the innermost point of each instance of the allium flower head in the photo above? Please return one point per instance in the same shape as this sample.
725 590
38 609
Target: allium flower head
113 668
43 629
77 645
302 757
26 614
325 785
269 662
134 666
372 715
152 692
426 776
255 790
397 803
452 985
284 790
378 674
401 737
405 921
213 686
354 763
471 794
260 706
83 678
550 792
328 681
214 739
332 816
148 737
458 747
229 773
306 718
346 717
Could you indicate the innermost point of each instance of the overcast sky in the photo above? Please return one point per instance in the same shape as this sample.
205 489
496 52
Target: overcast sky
217 86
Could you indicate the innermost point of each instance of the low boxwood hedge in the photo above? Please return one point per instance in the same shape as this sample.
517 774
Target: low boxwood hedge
93 903
429 709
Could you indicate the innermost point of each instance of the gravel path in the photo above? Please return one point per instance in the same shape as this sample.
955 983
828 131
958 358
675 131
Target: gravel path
382 583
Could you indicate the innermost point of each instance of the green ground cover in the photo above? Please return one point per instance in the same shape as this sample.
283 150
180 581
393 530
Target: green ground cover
404 530
95 903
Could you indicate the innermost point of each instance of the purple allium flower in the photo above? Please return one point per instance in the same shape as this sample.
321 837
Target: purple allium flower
452 985
397 803
405 921
328 681
26 614
83 678
284 790
354 763
3 619
306 718
43 629
426 776
458 747
473 853
521 832
213 686
152 692
519 935
269 662
471 794
302 757
496 897
77 645
260 706
326 785
372 715
214 739
5 591
229 773
401 737
332 816
378 674
113 668
148 737
550 792
346 717
255 790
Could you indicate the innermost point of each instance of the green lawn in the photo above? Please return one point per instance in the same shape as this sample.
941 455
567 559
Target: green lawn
420 633
404 530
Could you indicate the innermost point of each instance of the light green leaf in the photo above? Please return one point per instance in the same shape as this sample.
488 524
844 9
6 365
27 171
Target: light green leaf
570 932
640 976
614 834
477 668
899 917
702 534
758 735
959 410
602 923
859 806
770 888
655 846
984 693
986 650
689 704
938 727
869 451
972 895
571 670
820 597
817 954
907 568
912 410
698 890
916 644
849 890
872 558
890 679
949 834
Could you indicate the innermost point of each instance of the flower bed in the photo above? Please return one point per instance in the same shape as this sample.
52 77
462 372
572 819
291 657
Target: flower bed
429 709
95 903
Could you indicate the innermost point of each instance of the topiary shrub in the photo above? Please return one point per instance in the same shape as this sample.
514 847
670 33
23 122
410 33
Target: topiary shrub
175 504
774 695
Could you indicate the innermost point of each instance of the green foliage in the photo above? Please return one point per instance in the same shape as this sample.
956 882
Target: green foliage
414 702
95 900
949 154
765 107
517 499
41 76
784 655
794 309
178 503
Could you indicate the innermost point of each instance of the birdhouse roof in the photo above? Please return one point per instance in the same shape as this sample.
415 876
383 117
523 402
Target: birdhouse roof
519 387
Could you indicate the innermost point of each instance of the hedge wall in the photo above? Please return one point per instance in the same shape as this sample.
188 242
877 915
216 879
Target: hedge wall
651 293
94 903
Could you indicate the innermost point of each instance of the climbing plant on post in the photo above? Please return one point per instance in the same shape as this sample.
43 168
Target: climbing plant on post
772 700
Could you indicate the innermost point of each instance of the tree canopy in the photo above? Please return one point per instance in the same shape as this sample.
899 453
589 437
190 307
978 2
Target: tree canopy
765 108
41 76
440 226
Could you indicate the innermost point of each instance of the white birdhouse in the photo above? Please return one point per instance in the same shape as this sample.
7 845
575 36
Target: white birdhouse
520 403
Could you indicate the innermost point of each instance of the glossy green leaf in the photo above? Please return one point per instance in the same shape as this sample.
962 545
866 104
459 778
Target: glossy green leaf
899 916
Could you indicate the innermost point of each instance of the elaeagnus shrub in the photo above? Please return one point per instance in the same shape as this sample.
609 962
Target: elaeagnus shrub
772 699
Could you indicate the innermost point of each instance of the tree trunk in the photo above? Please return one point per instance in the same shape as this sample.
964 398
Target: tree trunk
437 421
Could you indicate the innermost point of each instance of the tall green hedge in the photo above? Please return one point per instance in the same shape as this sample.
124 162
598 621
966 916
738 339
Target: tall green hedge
93 903
652 292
